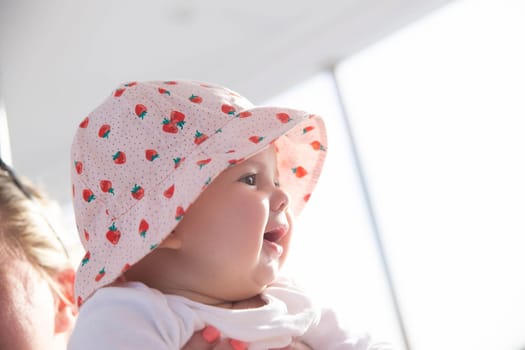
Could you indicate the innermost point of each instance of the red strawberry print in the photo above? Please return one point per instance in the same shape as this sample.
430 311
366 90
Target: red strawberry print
299 171
169 191
176 121
201 163
164 91
228 109
88 195
195 99
308 129
230 151
84 123
179 213
137 192
113 235
125 268
244 114
178 117
200 137
86 235
178 161
283 117
78 167
119 157
133 83
86 257
169 127
143 228
141 110
100 275
307 197
79 301
106 186
119 92
151 154
235 161
316 145
104 131
256 139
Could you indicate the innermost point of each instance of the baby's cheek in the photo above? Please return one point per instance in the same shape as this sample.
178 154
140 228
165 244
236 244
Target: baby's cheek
252 211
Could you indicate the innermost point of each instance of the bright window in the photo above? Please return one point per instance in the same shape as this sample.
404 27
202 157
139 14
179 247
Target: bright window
438 114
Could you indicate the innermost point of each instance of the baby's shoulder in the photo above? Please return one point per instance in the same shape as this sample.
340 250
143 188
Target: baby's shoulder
113 314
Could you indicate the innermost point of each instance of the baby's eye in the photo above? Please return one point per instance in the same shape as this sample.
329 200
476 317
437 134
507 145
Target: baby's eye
249 179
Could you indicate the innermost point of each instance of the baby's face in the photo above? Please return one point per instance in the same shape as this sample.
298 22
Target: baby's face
233 239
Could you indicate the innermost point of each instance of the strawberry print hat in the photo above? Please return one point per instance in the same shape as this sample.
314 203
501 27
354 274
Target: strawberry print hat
142 157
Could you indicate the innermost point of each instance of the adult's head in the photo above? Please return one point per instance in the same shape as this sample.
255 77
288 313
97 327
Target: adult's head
36 275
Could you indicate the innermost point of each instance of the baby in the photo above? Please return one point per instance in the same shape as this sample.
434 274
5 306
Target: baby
184 196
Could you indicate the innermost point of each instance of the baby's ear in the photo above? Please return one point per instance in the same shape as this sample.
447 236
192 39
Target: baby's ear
66 309
172 241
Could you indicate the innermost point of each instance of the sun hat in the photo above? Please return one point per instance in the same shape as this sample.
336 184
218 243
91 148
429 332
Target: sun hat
142 157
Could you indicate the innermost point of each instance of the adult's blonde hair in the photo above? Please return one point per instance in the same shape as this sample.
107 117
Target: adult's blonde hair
28 230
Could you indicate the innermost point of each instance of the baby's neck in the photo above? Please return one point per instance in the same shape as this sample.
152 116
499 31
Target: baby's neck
250 303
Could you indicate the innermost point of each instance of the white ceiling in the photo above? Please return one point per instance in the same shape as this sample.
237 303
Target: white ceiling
60 58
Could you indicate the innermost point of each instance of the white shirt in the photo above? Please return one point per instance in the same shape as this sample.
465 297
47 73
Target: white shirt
134 316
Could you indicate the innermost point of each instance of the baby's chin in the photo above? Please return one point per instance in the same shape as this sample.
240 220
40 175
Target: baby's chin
247 295
243 301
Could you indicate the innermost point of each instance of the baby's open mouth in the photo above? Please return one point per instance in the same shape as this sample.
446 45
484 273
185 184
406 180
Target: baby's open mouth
275 235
